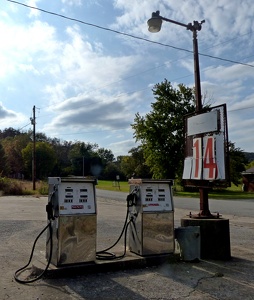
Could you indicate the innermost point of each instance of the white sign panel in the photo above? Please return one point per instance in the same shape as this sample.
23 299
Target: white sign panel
197 159
207 162
187 167
220 157
203 123
209 159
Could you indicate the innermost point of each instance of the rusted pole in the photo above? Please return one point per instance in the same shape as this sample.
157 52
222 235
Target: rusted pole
203 192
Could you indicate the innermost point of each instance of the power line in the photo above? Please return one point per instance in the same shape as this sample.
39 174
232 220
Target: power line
242 108
135 37
24 126
129 35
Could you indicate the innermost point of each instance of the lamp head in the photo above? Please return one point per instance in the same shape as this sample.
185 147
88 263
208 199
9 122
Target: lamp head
154 24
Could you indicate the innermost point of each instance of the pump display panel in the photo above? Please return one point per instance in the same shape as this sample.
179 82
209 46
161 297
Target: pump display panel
75 198
155 197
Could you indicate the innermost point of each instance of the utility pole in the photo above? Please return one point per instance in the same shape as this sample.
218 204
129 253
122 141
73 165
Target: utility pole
154 25
33 155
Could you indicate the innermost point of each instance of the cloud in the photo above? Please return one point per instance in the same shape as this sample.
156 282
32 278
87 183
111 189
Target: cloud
33 12
118 148
9 117
88 113
229 73
241 130
84 81
72 2
82 66
21 45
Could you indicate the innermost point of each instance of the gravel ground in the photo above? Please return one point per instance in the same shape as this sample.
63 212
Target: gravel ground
22 218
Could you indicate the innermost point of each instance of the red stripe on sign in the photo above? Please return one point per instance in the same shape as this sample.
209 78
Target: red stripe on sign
153 204
77 206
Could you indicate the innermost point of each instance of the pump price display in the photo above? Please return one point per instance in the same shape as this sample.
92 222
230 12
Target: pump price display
77 206
207 162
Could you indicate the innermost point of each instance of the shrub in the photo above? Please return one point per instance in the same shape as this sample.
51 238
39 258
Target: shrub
10 187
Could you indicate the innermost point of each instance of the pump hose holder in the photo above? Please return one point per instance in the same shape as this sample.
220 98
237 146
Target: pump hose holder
132 200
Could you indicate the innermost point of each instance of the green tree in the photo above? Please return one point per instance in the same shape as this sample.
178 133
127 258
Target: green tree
250 165
84 159
3 170
13 146
106 155
237 162
111 171
45 159
127 165
134 164
161 131
141 170
63 163
9 132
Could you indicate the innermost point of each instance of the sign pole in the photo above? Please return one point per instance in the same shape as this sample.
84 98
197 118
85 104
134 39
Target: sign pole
203 192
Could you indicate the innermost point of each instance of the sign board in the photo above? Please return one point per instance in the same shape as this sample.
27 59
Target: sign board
203 123
206 160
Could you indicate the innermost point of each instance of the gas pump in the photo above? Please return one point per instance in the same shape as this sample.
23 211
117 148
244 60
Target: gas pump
151 212
72 212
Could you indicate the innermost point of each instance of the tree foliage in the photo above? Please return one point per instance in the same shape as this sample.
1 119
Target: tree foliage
237 160
45 159
53 156
84 159
134 165
105 155
161 131
3 169
250 165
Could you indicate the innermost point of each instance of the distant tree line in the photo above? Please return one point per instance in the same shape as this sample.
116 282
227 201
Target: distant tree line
249 156
63 158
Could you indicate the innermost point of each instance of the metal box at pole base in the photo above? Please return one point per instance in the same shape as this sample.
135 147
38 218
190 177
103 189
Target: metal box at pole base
151 230
74 224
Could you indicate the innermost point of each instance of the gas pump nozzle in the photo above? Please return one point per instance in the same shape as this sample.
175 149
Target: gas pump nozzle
49 210
51 206
132 198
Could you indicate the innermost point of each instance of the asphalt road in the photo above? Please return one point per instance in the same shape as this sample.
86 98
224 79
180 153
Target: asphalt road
241 208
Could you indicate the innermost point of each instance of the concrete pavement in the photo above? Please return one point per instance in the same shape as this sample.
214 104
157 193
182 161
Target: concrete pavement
22 218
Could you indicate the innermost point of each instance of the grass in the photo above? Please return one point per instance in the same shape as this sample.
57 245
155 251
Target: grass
222 194
23 187
121 186
233 192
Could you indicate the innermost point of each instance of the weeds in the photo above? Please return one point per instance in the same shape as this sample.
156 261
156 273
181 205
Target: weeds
21 187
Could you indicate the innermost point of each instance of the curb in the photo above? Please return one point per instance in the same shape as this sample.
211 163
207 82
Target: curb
131 261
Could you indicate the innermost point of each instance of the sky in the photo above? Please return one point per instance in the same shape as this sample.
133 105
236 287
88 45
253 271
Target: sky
87 83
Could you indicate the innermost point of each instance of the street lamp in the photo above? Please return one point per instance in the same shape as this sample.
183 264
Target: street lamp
154 25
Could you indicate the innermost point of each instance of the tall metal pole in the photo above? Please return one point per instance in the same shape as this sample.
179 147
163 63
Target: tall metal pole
83 166
197 72
154 25
34 152
203 192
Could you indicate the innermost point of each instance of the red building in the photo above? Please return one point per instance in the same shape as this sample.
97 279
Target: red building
248 180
